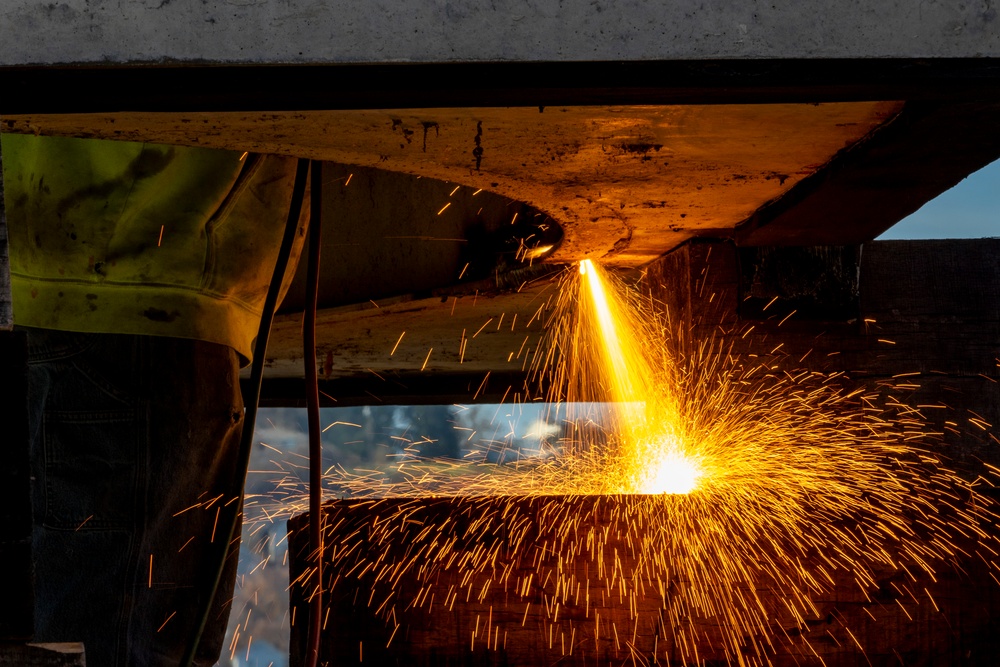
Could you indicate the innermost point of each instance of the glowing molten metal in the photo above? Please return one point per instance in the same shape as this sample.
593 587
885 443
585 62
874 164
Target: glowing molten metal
654 457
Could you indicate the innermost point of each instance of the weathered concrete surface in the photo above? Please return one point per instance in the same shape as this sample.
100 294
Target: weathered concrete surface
257 31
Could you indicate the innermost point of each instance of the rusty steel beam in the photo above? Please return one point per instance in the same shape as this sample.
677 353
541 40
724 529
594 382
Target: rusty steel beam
192 87
869 186
398 388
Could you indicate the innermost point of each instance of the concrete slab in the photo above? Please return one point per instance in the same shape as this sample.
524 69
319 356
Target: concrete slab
259 31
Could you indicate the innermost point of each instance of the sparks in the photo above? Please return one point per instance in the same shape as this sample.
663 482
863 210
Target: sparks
668 471
692 488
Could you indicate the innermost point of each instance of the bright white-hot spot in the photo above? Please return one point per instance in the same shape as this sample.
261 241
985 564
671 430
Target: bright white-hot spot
669 471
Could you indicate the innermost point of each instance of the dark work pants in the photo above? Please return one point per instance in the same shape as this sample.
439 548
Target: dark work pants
134 447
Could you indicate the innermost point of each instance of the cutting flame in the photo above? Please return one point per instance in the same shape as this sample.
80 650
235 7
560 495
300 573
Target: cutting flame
654 458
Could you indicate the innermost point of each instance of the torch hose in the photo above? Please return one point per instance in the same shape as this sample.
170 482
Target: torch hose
250 402
312 408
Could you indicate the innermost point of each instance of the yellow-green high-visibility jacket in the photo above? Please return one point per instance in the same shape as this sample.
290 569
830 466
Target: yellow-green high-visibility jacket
124 237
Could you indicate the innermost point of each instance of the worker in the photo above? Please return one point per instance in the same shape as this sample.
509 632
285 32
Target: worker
139 273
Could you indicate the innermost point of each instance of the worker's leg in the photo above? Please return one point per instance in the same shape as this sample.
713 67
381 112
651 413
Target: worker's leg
191 499
134 451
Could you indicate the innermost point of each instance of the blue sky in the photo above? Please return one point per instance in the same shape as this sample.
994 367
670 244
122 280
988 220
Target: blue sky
971 209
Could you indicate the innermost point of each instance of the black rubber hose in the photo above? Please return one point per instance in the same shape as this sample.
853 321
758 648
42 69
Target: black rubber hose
250 402
312 407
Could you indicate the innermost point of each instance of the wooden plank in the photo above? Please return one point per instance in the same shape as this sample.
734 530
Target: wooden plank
65 654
